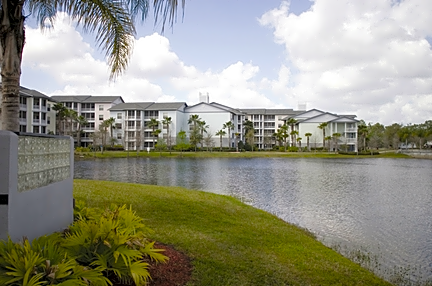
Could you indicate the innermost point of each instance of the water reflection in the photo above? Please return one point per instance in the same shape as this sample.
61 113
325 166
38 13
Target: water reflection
380 204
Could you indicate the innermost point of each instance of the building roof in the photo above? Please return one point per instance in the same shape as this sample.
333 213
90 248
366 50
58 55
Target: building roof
24 91
289 111
86 98
131 106
166 106
227 108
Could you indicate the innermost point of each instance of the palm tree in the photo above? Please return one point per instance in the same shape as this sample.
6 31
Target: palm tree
113 22
249 132
81 121
336 138
328 138
229 125
153 124
294 134
362 130
167 121
194 133
202 128
323 126
284 134
308 135
110 122
60 110
291 122
220 133
299 139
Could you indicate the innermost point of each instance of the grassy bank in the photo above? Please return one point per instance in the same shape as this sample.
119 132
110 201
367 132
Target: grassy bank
229 242
216 154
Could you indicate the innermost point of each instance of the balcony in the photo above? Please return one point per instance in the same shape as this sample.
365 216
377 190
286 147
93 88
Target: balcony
36 107
87 109
350 129
150 117
88 128
23 106
36 121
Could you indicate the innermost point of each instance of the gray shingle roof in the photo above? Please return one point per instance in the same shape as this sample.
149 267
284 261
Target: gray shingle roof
270 111
131 106
85 98
166 106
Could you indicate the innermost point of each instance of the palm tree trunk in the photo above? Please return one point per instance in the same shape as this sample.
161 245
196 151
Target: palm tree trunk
12 44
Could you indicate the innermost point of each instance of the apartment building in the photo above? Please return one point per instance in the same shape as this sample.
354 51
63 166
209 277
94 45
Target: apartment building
345 125
132 128
94 108
35 114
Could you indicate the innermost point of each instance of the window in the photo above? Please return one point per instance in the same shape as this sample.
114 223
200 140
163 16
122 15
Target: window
101 108
23 100
35 129
100 116
138 124
119 116
43 130
68 104
23 128
49 107
118 126
23 114
49 120
131 124
119 136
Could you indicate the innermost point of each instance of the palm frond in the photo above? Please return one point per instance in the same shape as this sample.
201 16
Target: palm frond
167 9
44 10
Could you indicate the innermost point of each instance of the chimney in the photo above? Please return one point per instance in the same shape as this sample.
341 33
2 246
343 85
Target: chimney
204 97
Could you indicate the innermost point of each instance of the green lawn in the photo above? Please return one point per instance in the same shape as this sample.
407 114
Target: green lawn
217 154
230 243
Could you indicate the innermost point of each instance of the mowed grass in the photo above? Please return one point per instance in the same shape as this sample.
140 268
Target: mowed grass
230 243
217 154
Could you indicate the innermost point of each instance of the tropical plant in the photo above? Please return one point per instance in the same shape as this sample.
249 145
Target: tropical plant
113 22
299 139
323 127
167 122
208 141
220 133
294 134
237 136
44 262
154 124
110 123
61 111
203 129
336 139
230 126
160 145
114 243
328 139
182 142
308 135
291 122
249 132
362 130
284 134
81 121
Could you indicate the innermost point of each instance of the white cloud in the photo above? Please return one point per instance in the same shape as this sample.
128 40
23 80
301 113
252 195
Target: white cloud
370 58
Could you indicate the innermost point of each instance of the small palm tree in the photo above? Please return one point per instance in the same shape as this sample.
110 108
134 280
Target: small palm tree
328 139
81 121
336 138
308 135
291 122
294 134
167 122
153 124
229 125
203 128
284 134
110 123
323 126
299 139
220 133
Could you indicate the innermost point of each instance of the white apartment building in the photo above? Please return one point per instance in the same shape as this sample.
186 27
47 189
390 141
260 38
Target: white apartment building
94 108
36 114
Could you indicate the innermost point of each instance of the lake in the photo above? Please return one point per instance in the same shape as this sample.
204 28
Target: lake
380 206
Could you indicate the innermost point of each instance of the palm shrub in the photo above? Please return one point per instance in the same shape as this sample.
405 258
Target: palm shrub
115 242
44 262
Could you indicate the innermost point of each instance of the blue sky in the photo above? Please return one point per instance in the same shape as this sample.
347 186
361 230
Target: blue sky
371 58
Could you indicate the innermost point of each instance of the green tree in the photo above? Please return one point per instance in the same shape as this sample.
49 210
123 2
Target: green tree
362 131
230 126
220 133
203 129
284 134
328 139
292 122
299 139
81 121
182 142
167 122
60 110
323 127
160 145
294 134
153 124
307 136
249 133
112 22
336 139
110 122
194 132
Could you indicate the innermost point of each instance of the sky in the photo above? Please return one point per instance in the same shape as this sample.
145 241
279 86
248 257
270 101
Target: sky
371 58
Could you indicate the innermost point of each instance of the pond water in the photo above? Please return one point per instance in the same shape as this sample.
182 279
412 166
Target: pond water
382 206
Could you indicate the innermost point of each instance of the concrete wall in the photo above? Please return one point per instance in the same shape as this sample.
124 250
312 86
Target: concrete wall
37 176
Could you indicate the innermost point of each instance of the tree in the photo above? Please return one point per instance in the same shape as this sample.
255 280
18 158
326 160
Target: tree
60 110
294 134
228 125
203 129
362 130
81 121
160 145
328 139
208 141
110 122
336 138
182 142
194 134
113 22
291 122
323 126
308 135
249 133
153 124
237 135
220 133
299 139
167 122
284 134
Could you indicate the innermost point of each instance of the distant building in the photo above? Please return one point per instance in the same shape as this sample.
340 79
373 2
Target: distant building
35 114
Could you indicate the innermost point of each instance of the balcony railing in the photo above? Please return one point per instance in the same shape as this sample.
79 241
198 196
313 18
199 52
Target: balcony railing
150 117
351 130
37 121
36 107
87 109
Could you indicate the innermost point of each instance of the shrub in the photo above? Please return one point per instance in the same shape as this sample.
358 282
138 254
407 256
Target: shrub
82 149
293 149
114 242
359 153
281 149
43 262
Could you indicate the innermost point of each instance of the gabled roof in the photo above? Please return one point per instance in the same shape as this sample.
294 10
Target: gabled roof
86 98
227 108
329 117
166 106
344 119
131 106
280 111
204 107
26 92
